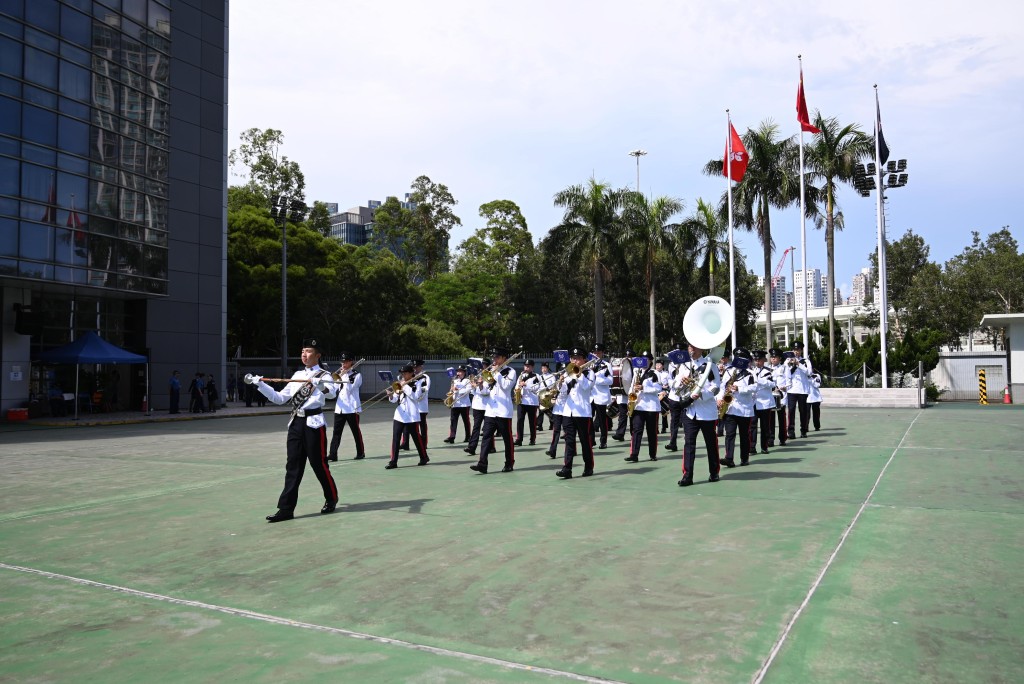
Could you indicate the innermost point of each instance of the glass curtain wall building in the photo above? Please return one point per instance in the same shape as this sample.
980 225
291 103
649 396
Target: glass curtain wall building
112 187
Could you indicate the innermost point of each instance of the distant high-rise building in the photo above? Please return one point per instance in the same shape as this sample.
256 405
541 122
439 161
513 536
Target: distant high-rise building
780 302
860 286
355 226
816 286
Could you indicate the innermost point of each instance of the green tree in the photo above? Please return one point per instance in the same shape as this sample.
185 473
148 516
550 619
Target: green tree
772 180
505 240
648 232
430 338
435 220
319 219
710 229
830 160
268 172
590 234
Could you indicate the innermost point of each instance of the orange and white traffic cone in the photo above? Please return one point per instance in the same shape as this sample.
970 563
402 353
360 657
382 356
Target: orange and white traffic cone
1007 399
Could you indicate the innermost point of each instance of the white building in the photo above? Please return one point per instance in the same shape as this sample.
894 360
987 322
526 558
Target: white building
780 296
860 287
816 286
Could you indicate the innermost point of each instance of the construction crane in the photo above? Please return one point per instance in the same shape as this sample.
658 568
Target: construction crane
778 269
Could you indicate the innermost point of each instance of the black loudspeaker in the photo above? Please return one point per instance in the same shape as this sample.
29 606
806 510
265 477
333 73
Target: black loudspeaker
26 321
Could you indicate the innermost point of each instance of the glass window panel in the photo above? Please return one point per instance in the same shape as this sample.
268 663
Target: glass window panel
159 19
103 145
40 68
39 125
42 13
78 276
72 247
103 226
10 57
77 55
155 187
41 40
130 231
106 35
75 82
8 206
156 216
133 52
10 146
133 105
133 206
102 201
157 238
132 129
104 92
8 86
159 115
159 70
112 4
8 267
73 136
14 8
10 116
31 269
38 183
129 258
72 192
40 97
158 287
76 164
40 155
8 237
136 9
133 156
76 109
9 179
84 5
9 26
35 241
75 26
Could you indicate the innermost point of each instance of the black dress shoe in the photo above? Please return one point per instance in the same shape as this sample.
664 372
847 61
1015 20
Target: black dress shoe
587 473
329 507
360 457
602 446
744 463
332 458
279 516
618 439
713 478
671 447
803 435
728 463
654 458
686 482
449 441
563 473
533 442
631 459
469 451
518 443
480 468
507 469
424 461
764 451
390 465
404 448
549 454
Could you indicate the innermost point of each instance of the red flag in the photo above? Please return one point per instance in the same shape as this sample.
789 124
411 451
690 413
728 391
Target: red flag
50 215
801 108
739 157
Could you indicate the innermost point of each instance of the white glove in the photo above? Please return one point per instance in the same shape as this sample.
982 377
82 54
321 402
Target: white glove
323 385
253 379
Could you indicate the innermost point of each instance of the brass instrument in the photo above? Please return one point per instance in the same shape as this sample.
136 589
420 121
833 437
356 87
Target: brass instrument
723 408
488 373
634 393
394 387
339 374
548 396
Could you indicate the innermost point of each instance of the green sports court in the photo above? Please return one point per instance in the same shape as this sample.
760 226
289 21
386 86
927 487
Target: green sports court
887 547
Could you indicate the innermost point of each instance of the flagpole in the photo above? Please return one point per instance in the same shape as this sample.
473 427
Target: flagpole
803 224
732 265
883 303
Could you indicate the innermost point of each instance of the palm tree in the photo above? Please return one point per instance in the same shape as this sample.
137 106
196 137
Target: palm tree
647 229
830 160
590 231
772 180
710 230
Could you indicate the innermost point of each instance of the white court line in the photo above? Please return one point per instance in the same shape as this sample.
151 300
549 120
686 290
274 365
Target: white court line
239 612
835 552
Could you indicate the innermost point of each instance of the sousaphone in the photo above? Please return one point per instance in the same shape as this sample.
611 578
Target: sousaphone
706 325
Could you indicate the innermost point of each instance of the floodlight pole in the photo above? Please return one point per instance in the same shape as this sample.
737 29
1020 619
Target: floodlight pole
638 153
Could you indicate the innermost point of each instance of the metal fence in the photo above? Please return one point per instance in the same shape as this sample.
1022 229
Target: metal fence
956 376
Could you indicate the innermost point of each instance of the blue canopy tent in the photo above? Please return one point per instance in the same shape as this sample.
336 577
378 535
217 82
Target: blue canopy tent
91 348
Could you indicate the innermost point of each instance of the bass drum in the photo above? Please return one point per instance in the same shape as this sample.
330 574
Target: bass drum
622 376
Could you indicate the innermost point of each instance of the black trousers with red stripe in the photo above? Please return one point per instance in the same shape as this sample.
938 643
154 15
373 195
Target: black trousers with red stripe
457 413
737 425
502 426
526 416
582 428
644 420
763 423
400 432
690 429
340 421
423 432
305 444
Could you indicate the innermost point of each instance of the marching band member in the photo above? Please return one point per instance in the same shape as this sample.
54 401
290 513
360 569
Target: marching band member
577 416
647 385
663 378
781 379
764 402
307 436
498 414
529 403
814 400
407 416
423 403
556 417
675 403
799 371
547 381
481 392
347 409
461 387
601 396
741 385
621 400
723 364
701 415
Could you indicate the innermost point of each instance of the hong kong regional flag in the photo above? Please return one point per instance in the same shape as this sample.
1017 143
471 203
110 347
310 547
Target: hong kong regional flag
738 154
801 108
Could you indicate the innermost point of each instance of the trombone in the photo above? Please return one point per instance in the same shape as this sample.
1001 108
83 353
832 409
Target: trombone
396 386
487 374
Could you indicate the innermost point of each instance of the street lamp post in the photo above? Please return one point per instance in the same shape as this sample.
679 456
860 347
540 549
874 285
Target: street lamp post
868 177
637 153
282 210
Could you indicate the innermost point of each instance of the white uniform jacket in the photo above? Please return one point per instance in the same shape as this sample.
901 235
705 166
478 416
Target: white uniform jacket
763 397
462 391
705 406
647 398
315 400
743 398
423 403
499 402
602 392
578 392
348 393
781 380
531 386
799 376
481 396
814 396
407 400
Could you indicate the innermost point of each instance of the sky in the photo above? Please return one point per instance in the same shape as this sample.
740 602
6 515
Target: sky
521 100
